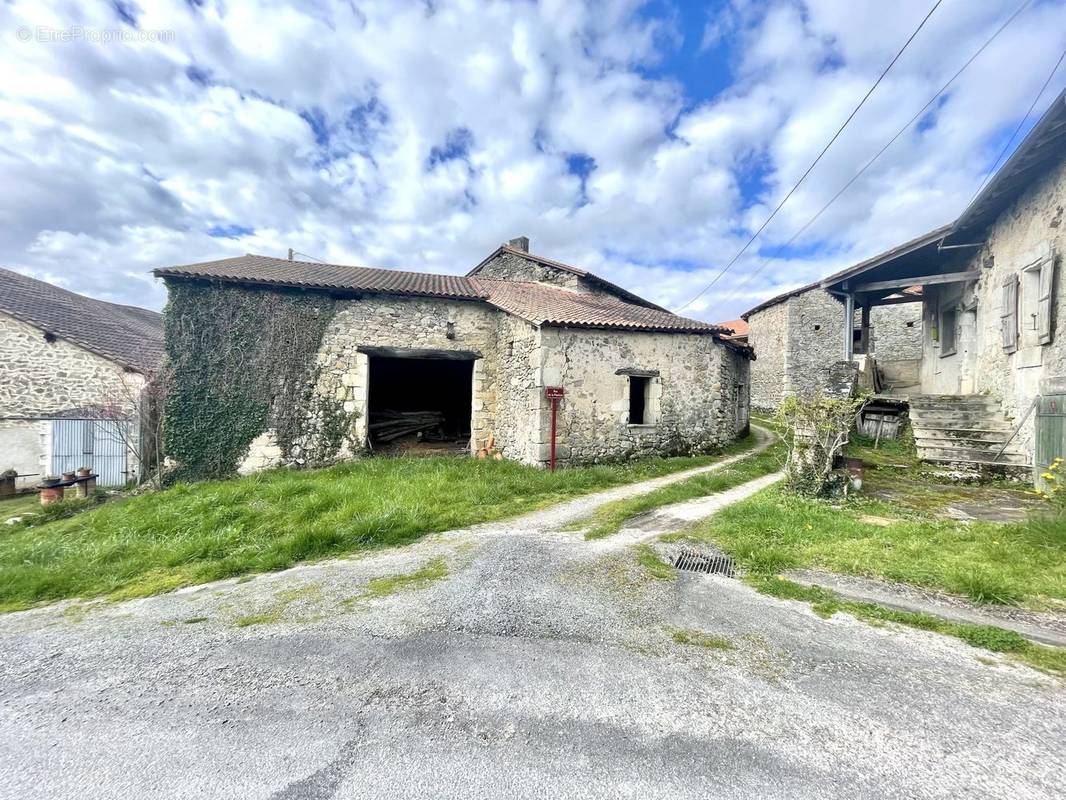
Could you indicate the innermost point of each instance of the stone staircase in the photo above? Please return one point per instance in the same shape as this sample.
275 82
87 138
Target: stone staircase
964 429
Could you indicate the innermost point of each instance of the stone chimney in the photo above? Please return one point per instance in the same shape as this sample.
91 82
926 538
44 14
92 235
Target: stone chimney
521 243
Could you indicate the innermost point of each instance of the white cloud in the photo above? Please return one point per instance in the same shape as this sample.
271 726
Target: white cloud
420 135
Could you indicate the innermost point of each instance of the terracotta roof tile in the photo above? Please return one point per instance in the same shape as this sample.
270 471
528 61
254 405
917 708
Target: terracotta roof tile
312 275
130 336
739 328
535 302
542 304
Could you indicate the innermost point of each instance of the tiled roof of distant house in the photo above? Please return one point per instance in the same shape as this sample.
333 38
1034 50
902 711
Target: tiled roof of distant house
127 335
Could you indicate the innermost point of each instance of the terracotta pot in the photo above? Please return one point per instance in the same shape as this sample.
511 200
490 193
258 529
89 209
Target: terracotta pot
51 494
68 476
84 472
50 481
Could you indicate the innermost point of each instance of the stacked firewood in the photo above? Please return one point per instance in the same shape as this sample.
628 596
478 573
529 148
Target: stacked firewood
388 425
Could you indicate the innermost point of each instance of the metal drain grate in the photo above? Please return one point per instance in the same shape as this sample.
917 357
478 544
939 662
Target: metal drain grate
695 561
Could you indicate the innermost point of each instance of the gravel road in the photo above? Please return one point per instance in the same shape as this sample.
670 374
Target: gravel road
541 665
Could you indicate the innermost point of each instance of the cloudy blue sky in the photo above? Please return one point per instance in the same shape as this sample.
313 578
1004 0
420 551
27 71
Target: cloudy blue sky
644 141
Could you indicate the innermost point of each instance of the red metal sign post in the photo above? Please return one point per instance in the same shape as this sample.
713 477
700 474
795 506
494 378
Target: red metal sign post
555 394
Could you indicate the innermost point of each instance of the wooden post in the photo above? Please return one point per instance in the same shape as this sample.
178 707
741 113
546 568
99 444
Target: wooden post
554 394
849 327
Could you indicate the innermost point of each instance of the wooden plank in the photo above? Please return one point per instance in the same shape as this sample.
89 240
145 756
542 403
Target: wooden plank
927 280
411 352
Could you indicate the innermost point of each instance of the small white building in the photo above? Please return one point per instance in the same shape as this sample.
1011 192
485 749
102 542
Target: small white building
72 373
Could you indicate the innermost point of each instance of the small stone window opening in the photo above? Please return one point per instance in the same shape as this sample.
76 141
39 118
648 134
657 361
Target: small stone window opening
910 324
49 337
817 327
638 399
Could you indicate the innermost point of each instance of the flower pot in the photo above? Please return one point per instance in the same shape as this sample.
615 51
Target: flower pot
51 480
85 472
68 476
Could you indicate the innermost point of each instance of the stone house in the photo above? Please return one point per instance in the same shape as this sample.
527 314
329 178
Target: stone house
473 352
992 375
73 371
797 336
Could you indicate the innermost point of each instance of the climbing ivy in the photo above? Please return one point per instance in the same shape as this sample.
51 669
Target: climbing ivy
243 361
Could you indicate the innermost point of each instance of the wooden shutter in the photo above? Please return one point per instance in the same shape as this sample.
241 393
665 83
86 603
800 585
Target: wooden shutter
1008 315
1043 308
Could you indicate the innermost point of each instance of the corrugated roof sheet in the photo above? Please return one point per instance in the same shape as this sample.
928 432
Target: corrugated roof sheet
535 302
130 336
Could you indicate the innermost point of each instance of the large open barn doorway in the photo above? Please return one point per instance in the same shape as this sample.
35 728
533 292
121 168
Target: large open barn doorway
420 402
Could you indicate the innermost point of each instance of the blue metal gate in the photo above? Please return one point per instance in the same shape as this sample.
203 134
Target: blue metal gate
99 444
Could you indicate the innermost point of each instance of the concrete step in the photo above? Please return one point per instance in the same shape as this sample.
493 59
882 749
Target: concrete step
978 407
966 444
985 469
960 435
981 455
999 430
954 400
958 419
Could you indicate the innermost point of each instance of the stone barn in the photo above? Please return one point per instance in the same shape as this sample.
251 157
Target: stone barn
288 362
798 336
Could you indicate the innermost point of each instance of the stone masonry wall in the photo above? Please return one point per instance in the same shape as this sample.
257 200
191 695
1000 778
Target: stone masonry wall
797 340
41 378
815 341
896 332
767 334
692 401
510 267
980 364
383 321
518 393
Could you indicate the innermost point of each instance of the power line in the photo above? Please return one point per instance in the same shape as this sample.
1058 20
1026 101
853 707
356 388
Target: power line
814 163
881 152
1006 147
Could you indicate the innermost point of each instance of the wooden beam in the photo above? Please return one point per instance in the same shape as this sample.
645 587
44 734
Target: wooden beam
892 301
405 352
927 280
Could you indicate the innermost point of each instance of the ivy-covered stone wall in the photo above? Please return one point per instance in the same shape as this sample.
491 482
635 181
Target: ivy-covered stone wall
244 362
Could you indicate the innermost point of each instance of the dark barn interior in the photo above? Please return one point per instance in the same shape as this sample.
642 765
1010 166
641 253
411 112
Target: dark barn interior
415 400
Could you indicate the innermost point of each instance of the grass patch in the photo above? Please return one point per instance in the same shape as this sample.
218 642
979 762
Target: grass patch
654 566
825 603
699 639
275 612
1020 564
386 585
195 533
609 518
18 505
898 452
